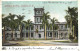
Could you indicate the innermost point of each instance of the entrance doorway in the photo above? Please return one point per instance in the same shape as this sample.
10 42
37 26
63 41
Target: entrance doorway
39 35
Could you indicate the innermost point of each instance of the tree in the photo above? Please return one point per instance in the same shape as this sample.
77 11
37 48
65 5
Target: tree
16 25
28 25
45 18
4 24
11 22
20 19
53 25
71 37
72 20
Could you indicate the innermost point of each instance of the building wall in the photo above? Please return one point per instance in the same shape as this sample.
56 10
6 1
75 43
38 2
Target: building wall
58 33
8 34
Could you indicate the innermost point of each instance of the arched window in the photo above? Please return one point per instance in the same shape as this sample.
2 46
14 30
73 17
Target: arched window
26 34
39 35
31 34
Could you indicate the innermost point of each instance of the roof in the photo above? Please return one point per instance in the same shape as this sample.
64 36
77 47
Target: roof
60 22
38 8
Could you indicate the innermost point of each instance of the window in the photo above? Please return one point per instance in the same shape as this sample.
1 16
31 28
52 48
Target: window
40 19
39 35
11 34
31 34
26 28
22 34
61 34
26 34
7 28
50 34
37 26
55 34
37 19
40 27
32 28
15 34
62 27
42 12
38 11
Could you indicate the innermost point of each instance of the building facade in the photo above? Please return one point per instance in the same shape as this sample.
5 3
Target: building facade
61 33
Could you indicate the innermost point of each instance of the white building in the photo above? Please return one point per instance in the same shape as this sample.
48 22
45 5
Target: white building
61 33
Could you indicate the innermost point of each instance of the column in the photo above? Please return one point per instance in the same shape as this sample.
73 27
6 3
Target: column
56 35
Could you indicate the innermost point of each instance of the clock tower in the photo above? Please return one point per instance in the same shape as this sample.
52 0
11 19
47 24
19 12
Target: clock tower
38 13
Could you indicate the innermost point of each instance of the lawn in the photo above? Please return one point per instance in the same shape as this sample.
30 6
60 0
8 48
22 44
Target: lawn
29 43
62 41
75 41
37 42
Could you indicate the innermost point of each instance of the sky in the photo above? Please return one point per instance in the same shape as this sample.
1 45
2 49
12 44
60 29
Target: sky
55 8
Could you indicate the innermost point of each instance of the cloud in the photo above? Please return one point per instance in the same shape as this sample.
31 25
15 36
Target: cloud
57 16
29 17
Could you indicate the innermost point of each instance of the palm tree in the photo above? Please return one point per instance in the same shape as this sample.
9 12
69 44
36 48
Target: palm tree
54 26
45 18
11 22
28 25
72 20
69 18
16 25
4 24
20 19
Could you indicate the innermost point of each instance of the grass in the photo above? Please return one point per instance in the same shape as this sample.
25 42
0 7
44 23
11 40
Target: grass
29 43
38 39
75 41
37 43
62 41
